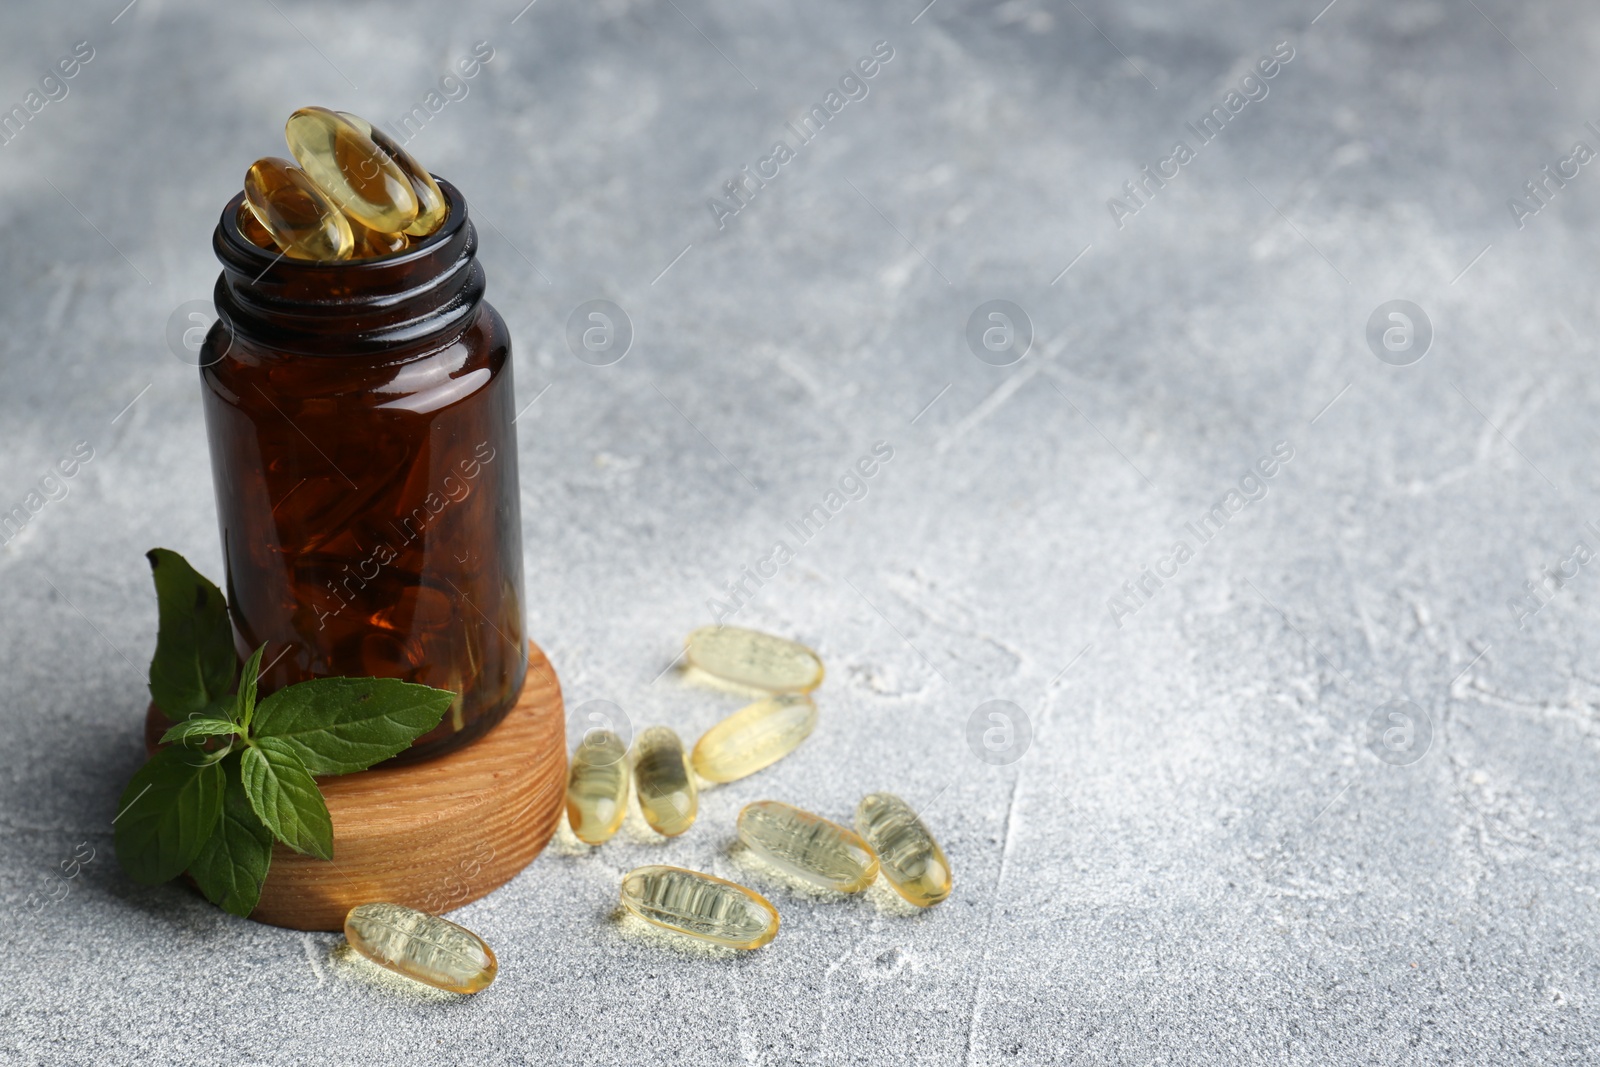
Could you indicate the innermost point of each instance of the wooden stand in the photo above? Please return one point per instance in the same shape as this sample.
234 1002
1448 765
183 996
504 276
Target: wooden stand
432 835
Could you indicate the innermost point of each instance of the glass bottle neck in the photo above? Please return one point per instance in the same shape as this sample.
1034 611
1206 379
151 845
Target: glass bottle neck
428 293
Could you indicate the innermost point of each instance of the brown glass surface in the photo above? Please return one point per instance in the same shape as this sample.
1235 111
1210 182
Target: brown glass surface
360 419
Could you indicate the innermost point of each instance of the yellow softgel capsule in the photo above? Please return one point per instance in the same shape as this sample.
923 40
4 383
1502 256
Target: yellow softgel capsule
252 230
807 846
365 183
432 207
661 779
754 659
296 214
907 853
597 787
756 736
420 946
370 244
700 905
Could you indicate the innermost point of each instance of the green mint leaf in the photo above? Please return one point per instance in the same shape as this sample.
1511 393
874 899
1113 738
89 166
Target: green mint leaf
248 679
194 662
199 728
168 810
341 725
233 863
285 796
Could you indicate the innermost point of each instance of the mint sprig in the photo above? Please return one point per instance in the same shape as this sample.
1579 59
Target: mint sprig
340 725
233 862
170 807
286 797
239 775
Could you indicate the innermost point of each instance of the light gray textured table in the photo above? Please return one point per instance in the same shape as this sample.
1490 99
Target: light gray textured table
1201 857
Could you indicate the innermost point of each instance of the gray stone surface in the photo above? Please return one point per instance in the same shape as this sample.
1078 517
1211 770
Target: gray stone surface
1200 858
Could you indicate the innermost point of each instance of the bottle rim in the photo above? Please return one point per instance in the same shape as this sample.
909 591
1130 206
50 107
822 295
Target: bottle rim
247 252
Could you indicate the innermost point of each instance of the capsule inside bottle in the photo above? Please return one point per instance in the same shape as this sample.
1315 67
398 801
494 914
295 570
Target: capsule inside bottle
355 173
251 229
908 855
700 905
754 660
756 736
807 846
370 244
597 787
432 207
666 789
422 947
295 212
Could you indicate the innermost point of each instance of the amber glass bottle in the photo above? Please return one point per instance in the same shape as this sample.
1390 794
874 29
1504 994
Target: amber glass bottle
360 418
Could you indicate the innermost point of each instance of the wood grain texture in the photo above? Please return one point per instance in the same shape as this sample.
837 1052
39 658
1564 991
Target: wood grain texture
432 835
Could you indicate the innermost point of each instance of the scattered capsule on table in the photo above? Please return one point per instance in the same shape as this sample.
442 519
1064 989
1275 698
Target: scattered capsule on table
372 243
424 947
597 788
807 846
251 229
700 905
756 736
757 660
298 215
365 183
663 783
907 853
432 207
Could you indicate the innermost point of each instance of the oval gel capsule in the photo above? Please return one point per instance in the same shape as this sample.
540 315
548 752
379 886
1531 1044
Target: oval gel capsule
370 244
756 736
807 846
420 946
251 229
754 659
597 788
700 906
365 183
661 778
907 853
297 214
432 207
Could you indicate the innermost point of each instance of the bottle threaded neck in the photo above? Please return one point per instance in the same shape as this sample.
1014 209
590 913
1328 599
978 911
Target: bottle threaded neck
426 293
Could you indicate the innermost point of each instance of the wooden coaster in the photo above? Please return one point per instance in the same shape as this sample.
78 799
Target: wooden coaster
432 835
